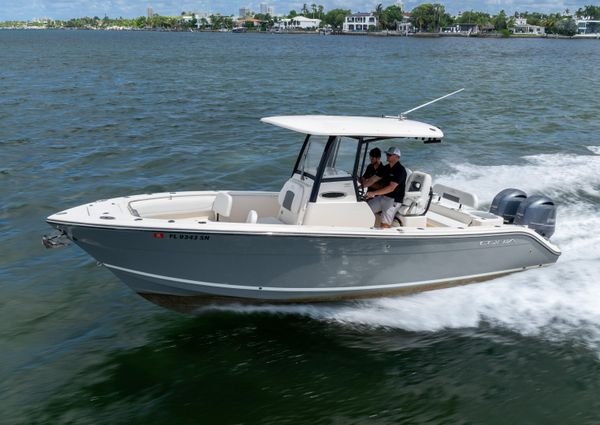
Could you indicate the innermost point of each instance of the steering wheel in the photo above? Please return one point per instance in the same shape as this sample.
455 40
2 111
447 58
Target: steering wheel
362 194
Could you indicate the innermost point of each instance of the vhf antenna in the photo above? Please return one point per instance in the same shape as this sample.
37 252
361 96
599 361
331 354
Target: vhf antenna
403 114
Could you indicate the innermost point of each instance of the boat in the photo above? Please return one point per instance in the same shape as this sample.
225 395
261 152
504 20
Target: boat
316 239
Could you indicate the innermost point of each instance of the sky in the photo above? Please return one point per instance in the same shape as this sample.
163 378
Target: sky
66 9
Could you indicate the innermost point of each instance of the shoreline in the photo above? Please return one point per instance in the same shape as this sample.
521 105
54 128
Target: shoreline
353 34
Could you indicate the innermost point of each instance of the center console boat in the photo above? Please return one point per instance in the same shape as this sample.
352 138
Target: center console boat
315 239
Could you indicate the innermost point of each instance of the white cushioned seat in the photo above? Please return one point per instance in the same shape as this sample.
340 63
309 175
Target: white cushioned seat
417 195
222 204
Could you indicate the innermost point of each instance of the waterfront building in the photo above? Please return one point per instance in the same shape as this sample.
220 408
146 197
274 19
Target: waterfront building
150 12
522 27
462 29
360 22
44 21
248 22
245 12
587 27
187 16
297 23
265 9
405 26
202 19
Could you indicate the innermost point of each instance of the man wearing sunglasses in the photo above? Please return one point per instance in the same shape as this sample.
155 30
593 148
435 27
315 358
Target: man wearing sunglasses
388 199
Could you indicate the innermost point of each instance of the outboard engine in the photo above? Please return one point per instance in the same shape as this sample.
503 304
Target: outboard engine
506 203
538 213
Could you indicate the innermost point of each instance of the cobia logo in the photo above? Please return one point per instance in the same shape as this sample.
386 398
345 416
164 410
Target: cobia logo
497 242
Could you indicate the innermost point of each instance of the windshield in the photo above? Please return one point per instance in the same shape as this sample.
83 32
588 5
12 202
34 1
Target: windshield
340 159
311 156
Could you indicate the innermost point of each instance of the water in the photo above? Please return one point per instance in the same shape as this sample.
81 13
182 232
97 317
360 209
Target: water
88 115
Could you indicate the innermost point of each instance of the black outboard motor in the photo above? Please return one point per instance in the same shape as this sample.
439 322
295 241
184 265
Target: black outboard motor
506 203
538 213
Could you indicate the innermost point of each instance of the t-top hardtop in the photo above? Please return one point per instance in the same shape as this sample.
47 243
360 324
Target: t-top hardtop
357 126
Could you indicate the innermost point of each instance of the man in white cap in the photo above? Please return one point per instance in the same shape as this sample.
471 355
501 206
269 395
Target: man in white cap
388 199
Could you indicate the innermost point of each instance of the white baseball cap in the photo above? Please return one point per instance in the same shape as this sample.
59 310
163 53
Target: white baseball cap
392 150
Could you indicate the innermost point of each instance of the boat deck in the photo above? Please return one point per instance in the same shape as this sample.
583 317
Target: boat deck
200 207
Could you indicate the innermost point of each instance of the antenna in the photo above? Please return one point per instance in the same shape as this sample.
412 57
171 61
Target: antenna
402 114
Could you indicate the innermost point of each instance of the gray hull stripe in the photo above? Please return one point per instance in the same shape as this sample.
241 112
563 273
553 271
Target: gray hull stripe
311 289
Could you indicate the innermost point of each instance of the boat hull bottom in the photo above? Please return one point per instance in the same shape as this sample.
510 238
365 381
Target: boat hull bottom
198 301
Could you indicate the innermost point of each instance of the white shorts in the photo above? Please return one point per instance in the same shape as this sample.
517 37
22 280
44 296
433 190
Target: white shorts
387 206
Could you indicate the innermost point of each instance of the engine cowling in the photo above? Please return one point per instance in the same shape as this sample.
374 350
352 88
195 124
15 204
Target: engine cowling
506 203
537 212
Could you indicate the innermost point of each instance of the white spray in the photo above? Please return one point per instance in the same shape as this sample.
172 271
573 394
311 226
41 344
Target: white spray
558 302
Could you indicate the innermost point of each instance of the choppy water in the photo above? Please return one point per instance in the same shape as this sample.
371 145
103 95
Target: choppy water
87 115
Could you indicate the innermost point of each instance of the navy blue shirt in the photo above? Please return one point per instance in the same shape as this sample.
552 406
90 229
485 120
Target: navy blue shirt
396 174
370 172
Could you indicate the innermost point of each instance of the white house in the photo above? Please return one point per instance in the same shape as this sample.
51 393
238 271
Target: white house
522 27
44 21
296 23
189 16
405 26
588 27
463 29
359 22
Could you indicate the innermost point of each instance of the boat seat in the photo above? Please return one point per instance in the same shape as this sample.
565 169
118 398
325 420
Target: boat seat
222 205
291 199
454 197
418 194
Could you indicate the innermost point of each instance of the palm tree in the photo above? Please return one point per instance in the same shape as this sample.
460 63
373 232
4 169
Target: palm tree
379 14
304 10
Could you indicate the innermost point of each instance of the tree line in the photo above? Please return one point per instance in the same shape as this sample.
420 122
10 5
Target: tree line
427 17
432 17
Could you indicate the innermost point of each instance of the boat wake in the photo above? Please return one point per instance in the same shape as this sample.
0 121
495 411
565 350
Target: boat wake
557 303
